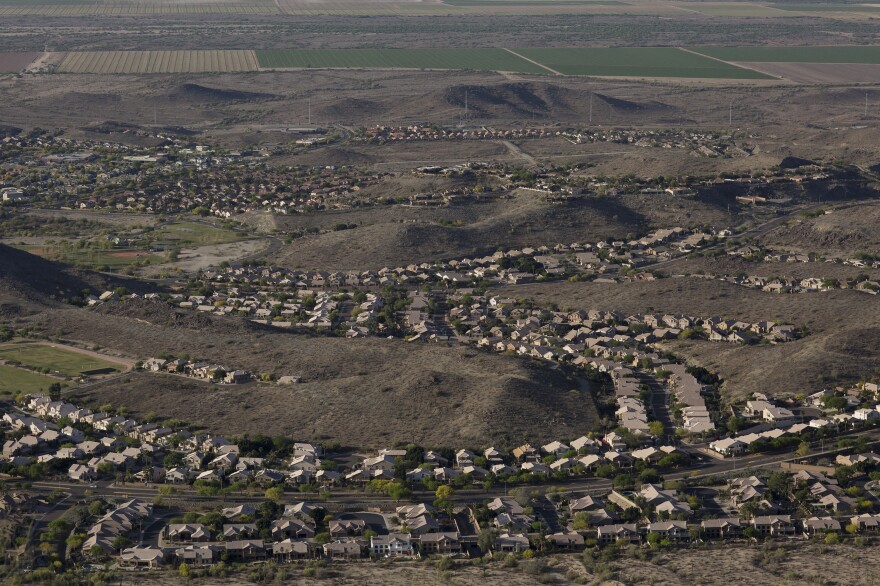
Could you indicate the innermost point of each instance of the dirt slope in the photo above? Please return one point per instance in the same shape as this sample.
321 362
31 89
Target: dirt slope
367 392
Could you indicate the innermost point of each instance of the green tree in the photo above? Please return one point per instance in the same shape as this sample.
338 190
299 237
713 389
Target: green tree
55 391
656 428
275 494
183 570
803 449
486 540
734 423
581 521
444 492
322 538
398 491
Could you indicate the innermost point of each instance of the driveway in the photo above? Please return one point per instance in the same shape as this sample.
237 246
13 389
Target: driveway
374 521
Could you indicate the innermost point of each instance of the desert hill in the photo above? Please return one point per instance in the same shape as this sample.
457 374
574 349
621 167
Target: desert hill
393 236
363 392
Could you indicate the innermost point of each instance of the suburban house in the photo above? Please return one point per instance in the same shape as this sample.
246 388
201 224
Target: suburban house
820 525
672 530
391 545
721 528
773 525
511 542
440 543
566 539
621 532
342 550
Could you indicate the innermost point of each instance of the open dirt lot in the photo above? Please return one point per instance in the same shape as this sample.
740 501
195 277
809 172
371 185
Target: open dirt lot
202 257
15 62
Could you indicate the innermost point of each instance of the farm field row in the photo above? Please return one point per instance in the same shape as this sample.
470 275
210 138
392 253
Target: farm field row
15 62
835 54
343 7
158 62
72 8
733 63
477 59
637 62
831 7
622 62
130 9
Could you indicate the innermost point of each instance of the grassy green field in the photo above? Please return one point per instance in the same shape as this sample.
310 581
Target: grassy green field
632 62
55 359
637 62
93 258
14 380
476 59
187 234
839 54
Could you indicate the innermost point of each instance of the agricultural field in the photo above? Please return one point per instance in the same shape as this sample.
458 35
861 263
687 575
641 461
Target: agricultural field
838 54
158 62
475 7
53 359
637 62
15 62
827 7
65 8
475 59
733 9
15 380
621 62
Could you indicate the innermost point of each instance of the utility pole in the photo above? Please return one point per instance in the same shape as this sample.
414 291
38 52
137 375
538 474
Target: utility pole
465 106
591 107
866 104
730 114
310 110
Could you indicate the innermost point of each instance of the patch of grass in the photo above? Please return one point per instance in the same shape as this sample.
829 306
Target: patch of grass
92 258
55 359
196 234
14 380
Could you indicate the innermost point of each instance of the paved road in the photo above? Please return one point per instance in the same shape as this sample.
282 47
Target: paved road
546 512
357 499
658 401
374 521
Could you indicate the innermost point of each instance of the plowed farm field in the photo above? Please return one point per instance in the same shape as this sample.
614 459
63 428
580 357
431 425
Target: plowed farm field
15 62
158 62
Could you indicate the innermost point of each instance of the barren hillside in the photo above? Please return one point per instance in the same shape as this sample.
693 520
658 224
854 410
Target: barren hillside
364 392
